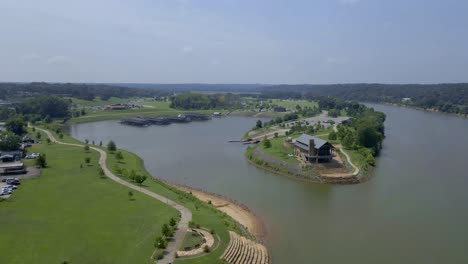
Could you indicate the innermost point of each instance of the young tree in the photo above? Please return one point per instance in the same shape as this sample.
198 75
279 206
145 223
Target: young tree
130 195
267 143
100 143
276 134
259 124
101 172
332 135
119 156
140 179
38 135
87 160
111 146
41 161
48 140
86 141
93 143
86 148
172 222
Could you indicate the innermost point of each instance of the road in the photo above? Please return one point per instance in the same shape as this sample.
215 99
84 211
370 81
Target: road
186 215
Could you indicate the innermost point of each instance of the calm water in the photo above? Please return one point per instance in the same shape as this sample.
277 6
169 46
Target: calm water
414 210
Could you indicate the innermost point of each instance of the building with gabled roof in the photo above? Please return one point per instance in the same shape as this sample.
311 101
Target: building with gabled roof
313 149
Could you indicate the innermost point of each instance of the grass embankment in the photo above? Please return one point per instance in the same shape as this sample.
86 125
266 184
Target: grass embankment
191 240
279 150
203 214
72 214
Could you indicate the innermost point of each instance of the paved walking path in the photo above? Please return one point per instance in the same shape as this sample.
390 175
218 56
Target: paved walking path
186 215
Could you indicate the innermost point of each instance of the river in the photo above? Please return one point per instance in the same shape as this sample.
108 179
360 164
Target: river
413 210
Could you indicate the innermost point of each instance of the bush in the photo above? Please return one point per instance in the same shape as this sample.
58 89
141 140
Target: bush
111 146
267 143
41 161
206 249
86 148
87 160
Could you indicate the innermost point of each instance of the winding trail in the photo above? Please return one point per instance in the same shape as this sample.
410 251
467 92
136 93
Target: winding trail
348 158
185 214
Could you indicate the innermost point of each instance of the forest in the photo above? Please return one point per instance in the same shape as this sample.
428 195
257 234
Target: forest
448 98
14 91
198 101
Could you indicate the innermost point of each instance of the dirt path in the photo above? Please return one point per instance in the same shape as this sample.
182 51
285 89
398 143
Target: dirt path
186 215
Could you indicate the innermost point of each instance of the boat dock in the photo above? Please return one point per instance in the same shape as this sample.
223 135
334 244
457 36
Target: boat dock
142 121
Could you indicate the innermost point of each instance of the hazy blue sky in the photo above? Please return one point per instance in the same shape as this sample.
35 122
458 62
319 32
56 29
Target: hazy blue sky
234 41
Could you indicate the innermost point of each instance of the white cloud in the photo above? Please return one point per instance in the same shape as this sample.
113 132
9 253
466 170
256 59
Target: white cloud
187 49
54 60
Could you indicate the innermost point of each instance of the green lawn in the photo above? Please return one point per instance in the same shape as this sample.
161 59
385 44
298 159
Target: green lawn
278 150
203 213
71 214
293 103
191 240
99 102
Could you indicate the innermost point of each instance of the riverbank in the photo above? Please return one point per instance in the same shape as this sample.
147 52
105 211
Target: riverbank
242 214
262 160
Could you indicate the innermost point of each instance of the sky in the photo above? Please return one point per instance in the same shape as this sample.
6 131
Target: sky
234 41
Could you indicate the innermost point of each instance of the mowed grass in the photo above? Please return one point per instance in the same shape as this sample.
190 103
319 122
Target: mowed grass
98 102
279 150
294 103
72 214
202 213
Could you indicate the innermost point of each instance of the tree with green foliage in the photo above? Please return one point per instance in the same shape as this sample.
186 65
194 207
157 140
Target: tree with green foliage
119 155
172 222
111 146
9 141
332 135
86 148
140 179
48 141
130 195
101 172
348 140
100 143
259 124
267 143
38 135
165 230
87 160
41 161
16 124
47 107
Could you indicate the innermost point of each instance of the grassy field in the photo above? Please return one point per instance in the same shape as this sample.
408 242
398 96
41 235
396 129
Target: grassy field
99 102
203 214
293 103
72 214
278 150
151 108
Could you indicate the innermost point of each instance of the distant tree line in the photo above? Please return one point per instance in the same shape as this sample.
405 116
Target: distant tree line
12 91
198 101
449 98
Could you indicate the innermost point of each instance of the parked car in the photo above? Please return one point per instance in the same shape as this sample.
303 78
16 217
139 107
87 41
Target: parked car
7 179
13 182
5 192
10 187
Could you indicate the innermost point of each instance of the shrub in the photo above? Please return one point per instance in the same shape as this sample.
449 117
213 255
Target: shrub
111 146
87 160
206 249
41 161
86 148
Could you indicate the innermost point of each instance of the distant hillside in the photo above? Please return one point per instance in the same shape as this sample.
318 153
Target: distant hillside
195 87
449 98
